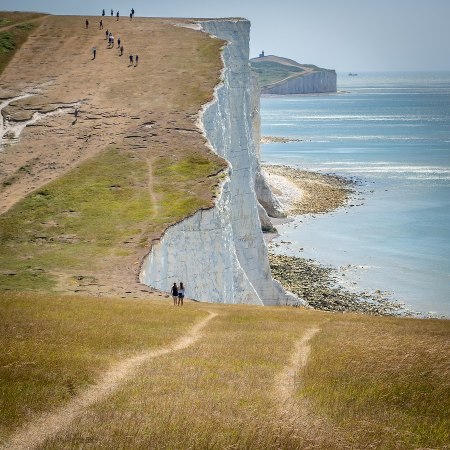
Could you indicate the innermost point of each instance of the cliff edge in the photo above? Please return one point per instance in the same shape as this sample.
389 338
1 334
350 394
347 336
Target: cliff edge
221 251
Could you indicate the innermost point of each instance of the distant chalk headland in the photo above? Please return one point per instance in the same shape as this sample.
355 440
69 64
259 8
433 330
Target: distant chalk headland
283 76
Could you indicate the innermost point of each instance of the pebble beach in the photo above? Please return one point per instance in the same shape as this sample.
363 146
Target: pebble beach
304 192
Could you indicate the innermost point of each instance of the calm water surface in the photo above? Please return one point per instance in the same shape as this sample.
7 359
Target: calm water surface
391 132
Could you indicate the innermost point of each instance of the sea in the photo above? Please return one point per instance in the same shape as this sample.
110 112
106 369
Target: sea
390 134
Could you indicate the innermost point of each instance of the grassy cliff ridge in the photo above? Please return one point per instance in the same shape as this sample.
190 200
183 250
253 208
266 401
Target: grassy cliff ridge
100 187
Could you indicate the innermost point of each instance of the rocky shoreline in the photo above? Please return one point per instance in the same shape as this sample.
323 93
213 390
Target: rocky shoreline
319 193
278 139
318 285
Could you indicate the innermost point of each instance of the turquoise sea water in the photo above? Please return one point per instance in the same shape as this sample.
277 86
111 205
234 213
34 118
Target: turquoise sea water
392 133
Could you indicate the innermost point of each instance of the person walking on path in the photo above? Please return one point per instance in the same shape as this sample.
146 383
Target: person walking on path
131 60
174 292
94 52
118 42
106 34
112 13
131 16
101 25
132 12
121 50
180 294
87 24
117 15
103 13
137 60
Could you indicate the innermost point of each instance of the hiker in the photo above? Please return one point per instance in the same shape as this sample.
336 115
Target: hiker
94 52
131 60
106 34
174 292
118 42
180 294
75 113
132 12
121 50
87 24
103 13
137 60
101 25
112 41
131 16
112 13
117 15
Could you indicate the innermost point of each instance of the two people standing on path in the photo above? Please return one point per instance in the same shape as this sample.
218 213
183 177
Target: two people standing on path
177 294
132 59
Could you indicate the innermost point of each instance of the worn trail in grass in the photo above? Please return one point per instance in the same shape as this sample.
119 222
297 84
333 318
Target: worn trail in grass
37 432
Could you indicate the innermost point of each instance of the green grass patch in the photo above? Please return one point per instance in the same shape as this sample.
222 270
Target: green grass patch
54 347
11 40
174 182
80 217
270 72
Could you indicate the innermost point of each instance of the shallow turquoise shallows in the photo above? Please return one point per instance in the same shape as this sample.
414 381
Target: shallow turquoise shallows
391 132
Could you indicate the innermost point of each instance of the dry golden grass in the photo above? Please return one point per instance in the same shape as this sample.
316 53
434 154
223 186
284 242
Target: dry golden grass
368 383
385 381
54 347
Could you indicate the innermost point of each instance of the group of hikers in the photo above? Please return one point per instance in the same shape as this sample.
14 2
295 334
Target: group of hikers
177 294
118 14
134 59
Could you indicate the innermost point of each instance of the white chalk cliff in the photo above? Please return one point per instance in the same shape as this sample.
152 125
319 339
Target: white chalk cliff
220 253
312 83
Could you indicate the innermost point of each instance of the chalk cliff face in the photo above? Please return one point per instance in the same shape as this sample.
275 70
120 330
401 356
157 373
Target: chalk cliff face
316 82
220 253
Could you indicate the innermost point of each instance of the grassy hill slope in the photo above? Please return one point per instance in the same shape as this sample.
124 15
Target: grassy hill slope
369 382
102 186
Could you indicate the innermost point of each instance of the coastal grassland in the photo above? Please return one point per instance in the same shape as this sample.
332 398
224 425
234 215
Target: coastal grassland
14 30
95 211
54 347
219 393
385 381
83 216
368 383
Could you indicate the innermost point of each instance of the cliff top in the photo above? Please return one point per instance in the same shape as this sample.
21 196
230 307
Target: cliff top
274 69
101 184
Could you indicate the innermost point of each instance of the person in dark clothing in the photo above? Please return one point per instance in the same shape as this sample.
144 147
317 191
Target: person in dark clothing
106 34
131 16
112 13
137 60
101 25
94 52
132 12
87 24
174 292
180 294
103 13
118 42
121 50
131 60
117 15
